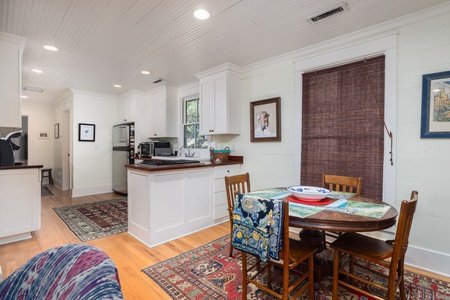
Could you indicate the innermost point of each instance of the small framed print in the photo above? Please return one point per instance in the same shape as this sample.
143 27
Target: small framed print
435 105
57 131
265 120
86 132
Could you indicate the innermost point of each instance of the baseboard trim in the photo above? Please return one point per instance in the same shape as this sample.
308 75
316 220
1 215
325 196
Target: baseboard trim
91 191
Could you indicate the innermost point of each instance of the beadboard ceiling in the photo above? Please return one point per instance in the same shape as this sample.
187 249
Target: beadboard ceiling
107 42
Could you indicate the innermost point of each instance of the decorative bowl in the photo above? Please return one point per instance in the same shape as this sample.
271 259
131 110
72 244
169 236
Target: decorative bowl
308 193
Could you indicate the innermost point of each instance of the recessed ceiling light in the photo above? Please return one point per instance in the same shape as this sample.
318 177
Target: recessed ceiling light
201 14
23 96
51 48
146 72
37 71
436 90
117 86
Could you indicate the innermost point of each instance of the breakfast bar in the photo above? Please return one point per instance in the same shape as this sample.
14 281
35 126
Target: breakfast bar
169 201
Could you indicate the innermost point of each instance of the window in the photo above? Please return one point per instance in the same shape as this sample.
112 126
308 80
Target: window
355 50
191 126
343 124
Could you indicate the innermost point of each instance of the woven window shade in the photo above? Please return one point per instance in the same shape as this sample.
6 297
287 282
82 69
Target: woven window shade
343 124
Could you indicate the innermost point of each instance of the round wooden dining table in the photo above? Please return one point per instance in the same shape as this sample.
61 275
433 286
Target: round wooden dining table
328 220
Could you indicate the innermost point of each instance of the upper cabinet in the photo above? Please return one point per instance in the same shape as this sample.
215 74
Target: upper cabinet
220 91
11 48
162 113
127 109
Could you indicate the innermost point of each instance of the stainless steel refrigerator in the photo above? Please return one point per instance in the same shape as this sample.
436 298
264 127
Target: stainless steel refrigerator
123 154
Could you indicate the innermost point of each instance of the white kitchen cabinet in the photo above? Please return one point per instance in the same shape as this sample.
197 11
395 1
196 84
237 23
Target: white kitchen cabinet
127 109
220 195
11 48
20 203
220 94
165 205
162 113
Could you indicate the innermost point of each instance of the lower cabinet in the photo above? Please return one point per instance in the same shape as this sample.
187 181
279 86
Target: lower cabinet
220 195
165 205
20 203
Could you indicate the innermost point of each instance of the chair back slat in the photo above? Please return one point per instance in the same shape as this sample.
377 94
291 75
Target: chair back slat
237 184
342 183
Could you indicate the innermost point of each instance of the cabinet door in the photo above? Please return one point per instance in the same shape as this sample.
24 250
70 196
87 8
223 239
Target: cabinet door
157 115
207 94
10 112
127 110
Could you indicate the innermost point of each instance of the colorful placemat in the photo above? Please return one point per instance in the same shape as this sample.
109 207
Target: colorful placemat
319 202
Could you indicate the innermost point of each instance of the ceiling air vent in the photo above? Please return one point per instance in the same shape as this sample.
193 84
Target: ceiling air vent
158 80
328 13
33 89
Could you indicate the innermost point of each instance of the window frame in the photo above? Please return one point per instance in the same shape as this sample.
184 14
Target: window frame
184 102
385 45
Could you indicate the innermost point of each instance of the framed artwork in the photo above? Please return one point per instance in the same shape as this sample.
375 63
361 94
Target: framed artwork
86 132
265 120
57 131
435 105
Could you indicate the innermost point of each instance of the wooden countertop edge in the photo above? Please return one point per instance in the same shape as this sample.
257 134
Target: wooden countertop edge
233 160
24 166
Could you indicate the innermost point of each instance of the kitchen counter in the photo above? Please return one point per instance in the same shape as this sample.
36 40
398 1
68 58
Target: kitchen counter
21 165
169 201
20 201
233 160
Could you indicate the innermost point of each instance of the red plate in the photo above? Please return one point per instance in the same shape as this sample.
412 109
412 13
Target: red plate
309 202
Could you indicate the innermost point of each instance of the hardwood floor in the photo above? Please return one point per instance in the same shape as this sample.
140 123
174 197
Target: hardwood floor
129 255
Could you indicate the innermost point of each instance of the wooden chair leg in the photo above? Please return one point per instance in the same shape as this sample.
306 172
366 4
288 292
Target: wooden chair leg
231 245
244 275
312 294
336 264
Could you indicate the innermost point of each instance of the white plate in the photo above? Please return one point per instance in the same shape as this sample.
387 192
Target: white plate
308 193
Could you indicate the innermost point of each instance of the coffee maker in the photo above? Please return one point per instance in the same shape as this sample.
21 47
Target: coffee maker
7 148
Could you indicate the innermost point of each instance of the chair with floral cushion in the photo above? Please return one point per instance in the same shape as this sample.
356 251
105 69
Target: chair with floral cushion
261 228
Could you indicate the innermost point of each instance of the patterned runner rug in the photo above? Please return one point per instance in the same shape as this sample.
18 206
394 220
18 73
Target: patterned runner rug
45 192
208 272
95 220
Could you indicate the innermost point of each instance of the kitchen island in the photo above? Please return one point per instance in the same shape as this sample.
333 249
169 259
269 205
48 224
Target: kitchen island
20 201
167 202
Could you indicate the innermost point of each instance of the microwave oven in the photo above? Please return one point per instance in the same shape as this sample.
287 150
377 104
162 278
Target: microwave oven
149 149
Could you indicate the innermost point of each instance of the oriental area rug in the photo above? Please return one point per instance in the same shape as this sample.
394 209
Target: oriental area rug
208 272
97 219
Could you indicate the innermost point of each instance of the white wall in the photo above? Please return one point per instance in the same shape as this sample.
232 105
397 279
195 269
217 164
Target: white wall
40 120
422 164
92 161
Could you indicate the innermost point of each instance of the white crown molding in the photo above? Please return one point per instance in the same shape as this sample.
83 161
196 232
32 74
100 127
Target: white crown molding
95 94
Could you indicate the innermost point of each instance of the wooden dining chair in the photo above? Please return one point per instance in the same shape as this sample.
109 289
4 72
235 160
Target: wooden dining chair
339 184
295 256
237 184
353 249
342 183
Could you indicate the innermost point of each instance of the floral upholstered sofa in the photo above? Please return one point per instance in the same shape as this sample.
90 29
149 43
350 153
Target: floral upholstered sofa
67 272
